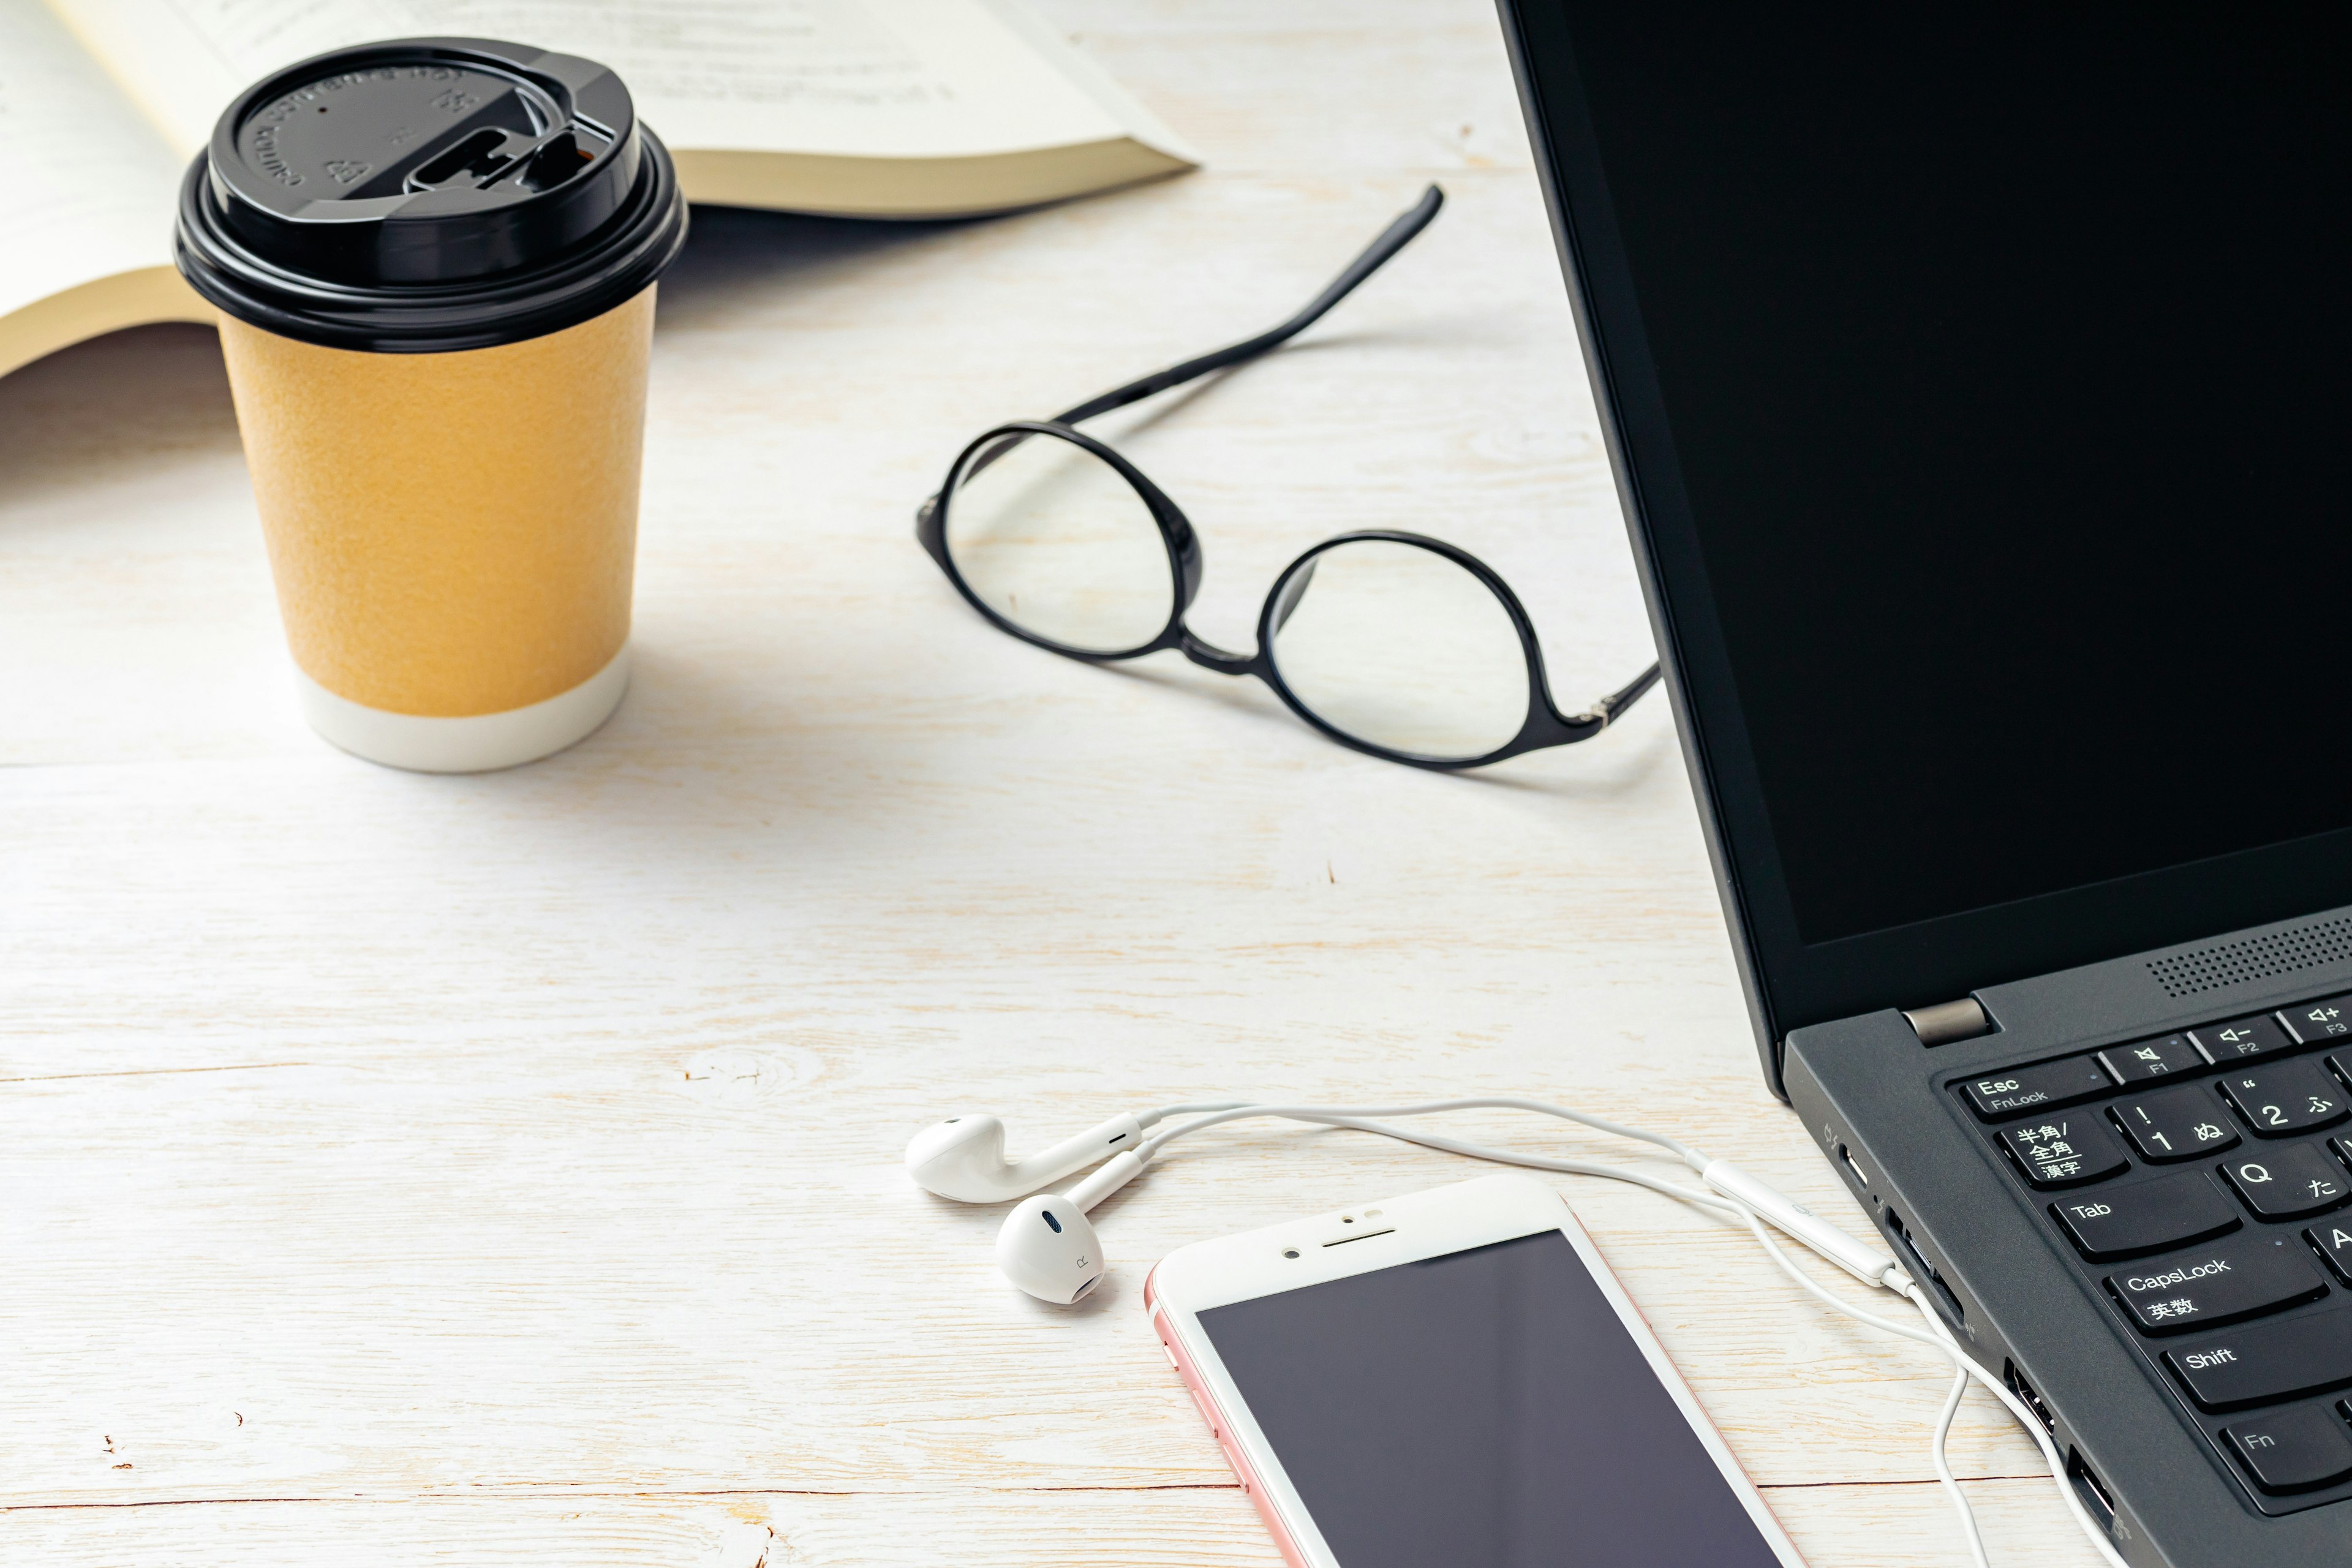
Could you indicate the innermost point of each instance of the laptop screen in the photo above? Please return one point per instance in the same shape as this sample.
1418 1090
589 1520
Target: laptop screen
2005 359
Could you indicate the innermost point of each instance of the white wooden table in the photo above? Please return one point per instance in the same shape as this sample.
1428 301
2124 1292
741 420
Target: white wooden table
504 1170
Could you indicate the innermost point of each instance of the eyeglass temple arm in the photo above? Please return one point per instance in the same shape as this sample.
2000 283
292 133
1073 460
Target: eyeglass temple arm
1392 239
1605 712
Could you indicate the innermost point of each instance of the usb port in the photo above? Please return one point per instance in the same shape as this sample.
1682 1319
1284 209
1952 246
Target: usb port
2024 1392
2092 1491
1917 1261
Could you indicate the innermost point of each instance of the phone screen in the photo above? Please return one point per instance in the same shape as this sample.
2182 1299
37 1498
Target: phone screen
1486 1408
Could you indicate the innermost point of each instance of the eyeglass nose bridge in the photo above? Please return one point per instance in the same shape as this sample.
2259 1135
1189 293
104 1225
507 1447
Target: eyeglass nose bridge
1208 656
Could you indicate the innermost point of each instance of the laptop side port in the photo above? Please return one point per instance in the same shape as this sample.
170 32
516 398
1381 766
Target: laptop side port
1917 1262
1861 1177
2092 1491
2024 1392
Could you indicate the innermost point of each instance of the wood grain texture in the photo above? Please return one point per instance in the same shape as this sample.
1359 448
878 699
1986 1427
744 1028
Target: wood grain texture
504 1169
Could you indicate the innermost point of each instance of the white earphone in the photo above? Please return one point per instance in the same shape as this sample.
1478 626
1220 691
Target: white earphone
1048 1248
963 1158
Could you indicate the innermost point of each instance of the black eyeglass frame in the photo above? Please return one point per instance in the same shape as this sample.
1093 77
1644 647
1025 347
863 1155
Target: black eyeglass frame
1543 725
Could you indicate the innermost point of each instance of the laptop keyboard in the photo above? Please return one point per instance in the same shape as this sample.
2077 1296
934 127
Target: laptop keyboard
2203 1181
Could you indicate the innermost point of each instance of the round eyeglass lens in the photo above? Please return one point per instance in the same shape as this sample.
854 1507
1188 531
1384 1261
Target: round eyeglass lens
1056 541
1401 647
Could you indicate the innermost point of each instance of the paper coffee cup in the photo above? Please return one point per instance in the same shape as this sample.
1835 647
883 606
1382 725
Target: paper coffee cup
434 262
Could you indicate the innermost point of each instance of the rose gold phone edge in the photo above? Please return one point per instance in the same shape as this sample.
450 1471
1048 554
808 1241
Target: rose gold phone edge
1273 1506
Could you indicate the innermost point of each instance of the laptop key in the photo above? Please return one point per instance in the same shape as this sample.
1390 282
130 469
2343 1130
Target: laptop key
2152 1059
2333 1241
2244 1038
2045 1085
2259 1364
2288 1181
2239 1278
2316 1021
2295 1449
2063 1150
2175 1123
2287 1097
2146 1216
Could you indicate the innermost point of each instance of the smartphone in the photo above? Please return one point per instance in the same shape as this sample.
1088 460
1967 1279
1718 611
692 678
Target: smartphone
1453 1378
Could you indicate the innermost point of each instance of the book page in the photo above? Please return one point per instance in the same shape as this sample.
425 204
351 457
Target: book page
884 78
86 187
181 62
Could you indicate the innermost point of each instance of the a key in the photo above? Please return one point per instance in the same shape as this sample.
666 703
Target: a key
2238 1278
2246 1037
2287 1098
2288 1181
2318 1021
2255 1364
2333 1241
2177 1123
2064 1149
2295 1449
2146 1216
2046 1085
2152 1059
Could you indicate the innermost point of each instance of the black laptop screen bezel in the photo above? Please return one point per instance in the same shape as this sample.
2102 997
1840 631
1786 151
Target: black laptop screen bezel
1791 983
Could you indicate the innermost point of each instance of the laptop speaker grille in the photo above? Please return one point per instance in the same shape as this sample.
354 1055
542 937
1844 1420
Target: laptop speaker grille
2255 958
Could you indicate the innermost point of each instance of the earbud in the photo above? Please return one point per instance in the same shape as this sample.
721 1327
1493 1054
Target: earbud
963 1158
1049 1247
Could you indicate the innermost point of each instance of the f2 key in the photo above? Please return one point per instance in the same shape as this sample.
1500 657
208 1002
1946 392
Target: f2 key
2242 1039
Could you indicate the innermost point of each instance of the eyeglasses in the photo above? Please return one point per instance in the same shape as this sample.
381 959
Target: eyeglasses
1407 647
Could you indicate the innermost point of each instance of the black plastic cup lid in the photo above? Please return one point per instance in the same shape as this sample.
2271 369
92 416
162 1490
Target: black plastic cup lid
429 194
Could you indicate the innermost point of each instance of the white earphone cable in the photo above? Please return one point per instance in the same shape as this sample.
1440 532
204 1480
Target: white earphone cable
1235 1112
1939 1452
1326 1116
2091 1529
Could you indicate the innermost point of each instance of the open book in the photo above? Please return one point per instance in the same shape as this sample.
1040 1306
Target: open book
857 108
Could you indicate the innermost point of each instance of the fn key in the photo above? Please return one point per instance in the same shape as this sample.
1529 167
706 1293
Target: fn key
2295 1449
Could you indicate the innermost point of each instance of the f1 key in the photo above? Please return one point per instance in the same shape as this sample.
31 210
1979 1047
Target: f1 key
2152 1059
2146 1216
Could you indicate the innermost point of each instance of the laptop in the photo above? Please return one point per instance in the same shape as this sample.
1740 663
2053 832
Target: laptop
1979 385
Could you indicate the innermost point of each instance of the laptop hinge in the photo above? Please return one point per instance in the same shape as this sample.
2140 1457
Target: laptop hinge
1948 1021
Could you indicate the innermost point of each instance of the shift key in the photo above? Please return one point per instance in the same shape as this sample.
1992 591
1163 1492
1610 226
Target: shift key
2274 1359
2147 1216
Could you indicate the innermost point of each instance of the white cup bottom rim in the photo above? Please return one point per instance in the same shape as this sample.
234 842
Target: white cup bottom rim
475 743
